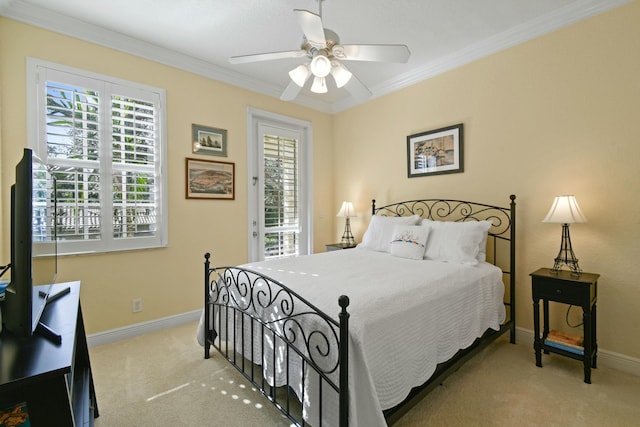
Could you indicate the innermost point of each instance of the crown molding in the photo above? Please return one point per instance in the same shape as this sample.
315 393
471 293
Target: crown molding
570 14
72 27
44 18
544 24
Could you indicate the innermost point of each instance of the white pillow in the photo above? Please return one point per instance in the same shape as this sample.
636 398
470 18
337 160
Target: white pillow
380 230
456 242
409 241
482 246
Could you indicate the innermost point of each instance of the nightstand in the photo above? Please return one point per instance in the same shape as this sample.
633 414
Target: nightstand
340 246
563 287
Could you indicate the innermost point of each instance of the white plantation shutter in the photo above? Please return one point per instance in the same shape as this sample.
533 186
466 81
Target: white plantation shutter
104 142
281 196
134 161
72 128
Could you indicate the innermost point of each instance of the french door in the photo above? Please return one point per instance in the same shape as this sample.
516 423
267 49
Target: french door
279 186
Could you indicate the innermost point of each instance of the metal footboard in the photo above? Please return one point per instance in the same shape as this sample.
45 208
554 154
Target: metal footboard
286 347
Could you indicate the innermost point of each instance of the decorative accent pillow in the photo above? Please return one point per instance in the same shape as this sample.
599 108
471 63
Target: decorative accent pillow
409 241
380 230
456 242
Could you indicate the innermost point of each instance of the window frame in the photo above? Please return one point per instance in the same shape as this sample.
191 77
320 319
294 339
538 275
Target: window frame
37 72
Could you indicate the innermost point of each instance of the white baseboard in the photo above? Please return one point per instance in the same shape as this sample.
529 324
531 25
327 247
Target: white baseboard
607 358
131 331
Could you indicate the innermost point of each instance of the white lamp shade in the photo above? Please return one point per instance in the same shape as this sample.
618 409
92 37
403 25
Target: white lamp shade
320 66
340 74
346 210
300 74
565 210
319 85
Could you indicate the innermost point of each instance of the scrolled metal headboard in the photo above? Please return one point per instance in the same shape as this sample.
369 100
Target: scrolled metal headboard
454 210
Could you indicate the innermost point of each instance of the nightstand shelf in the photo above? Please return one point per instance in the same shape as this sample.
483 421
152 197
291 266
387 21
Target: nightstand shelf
340 246
566 288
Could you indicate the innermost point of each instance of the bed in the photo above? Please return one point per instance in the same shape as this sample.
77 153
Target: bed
356 337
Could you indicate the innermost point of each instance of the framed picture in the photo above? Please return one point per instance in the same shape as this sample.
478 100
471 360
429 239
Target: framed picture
208 179
211 141
435 152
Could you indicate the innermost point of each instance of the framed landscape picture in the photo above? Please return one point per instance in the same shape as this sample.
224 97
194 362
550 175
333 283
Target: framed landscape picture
435 152
207 140
208 179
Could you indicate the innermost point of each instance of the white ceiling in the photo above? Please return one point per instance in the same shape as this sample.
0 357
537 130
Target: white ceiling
201 35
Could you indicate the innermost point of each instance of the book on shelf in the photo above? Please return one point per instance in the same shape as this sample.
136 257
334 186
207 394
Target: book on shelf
564 347
565 341
565 338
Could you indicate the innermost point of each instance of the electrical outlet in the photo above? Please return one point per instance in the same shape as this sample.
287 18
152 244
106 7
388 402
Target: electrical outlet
136 305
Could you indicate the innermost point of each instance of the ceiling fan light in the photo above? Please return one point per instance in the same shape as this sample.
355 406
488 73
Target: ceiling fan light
319 85
340 74
320 66
300 74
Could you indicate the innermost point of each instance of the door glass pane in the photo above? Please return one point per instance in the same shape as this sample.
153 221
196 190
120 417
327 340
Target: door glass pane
281 197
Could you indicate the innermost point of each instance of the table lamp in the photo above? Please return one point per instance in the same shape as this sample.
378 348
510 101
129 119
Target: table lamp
347 211
565 211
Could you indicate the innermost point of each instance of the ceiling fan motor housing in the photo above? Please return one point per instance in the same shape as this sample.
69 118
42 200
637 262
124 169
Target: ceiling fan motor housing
331 38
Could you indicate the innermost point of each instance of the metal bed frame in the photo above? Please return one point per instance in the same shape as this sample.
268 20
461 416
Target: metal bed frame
242 304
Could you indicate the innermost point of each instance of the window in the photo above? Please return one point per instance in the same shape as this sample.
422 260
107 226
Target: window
103 140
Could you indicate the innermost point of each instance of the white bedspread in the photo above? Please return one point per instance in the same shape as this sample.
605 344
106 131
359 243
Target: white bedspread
406 317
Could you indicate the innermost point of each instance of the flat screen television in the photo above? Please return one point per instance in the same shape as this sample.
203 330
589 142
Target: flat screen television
33 211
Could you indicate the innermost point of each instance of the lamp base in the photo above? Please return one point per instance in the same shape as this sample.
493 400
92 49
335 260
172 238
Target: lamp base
566 255
347 237
573 266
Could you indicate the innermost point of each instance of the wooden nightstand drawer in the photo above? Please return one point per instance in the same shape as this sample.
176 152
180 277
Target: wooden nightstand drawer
560 291
563 287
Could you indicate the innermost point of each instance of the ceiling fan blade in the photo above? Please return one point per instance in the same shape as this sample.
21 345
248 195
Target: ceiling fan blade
244 59
357 89
312 28
291 91
372 52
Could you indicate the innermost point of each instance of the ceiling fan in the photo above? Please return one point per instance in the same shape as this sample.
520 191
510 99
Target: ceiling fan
324 53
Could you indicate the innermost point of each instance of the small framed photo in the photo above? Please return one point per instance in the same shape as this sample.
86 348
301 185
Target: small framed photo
207 179
435 152
207 140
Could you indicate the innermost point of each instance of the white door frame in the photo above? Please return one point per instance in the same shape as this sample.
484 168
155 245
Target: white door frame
254 117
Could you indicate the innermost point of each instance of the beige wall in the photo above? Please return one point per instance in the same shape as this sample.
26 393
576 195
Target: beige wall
552 116
168 280
556 115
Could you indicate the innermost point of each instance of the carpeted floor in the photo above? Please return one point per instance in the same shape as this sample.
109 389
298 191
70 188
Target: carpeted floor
161 379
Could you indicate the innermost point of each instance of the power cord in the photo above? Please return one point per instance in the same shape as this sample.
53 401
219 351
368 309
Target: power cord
4 269
567 319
